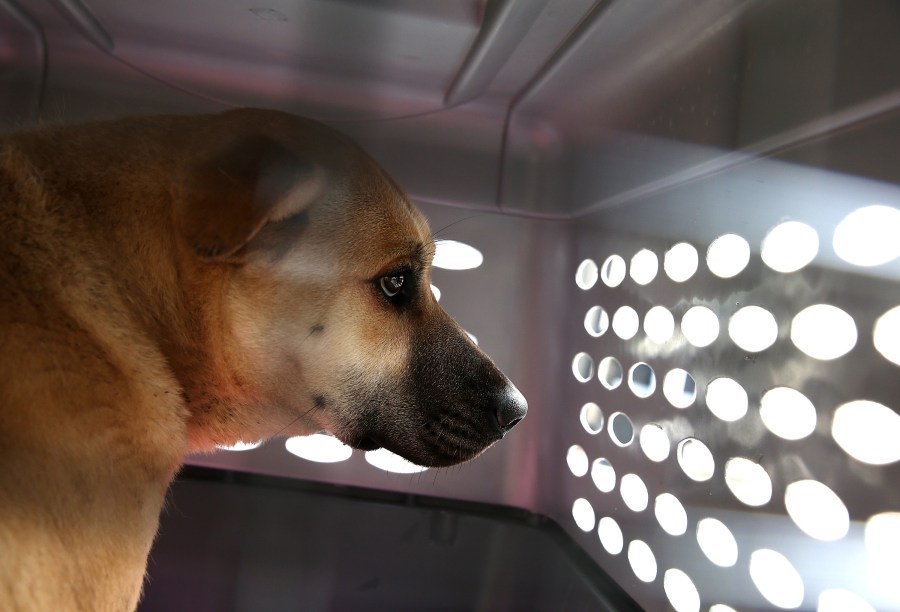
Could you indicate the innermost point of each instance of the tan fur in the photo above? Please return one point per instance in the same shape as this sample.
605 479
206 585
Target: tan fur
169 284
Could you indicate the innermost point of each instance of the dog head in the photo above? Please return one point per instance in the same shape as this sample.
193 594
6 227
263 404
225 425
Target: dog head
328 302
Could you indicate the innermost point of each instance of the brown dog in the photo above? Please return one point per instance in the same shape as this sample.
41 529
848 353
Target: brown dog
168 284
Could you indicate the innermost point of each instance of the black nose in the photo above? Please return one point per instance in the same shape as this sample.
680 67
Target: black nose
511 408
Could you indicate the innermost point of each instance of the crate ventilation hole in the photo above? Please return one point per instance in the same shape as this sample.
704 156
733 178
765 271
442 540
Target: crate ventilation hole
865 430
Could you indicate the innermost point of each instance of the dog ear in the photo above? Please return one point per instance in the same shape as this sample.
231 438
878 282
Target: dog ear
231 196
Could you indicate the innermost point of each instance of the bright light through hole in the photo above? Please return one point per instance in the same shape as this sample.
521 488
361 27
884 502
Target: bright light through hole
681 262
717 542
790 246
596 321
787 413
671 514
868 236
721 608
644 267
642 560
239 446
823 332
700 326
838 600
577 460
604 475
728 255
654 442
681 591
591 418
817 510
613 271
777 580
626 322
726 399
586 275
455 255
642 380
621 430
610 535
753 329
583 513
696 460
867 431
610 373
659 324
679 388
582 367
748 481
320 448
886 335
385 460
634 492
882 538
436 292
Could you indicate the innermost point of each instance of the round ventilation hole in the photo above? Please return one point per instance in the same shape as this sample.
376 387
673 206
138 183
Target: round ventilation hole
642 380
610 535
613 271
787 413
679 388
642 560
817 510
882 537
748 481
239 446
696 460
604 475
592 418
644 267
577 460
681 262
436 292
654 442
670 514
634 492
609 373
383 459
583 367
753 329
621 430
868 236
320 448
777 580
587 274
583 513
790 246
838 600
626 322
867 431
455 255
721 608
596 321
728 255
717 542
680 590
700 326
726 399
823 332
886 335
659 324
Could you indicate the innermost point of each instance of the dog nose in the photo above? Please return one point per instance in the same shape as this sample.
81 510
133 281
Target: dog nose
511 408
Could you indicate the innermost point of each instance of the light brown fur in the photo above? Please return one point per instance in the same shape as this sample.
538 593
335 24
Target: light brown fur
169 284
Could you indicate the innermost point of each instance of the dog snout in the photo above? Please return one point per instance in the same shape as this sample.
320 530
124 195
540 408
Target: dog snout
511 408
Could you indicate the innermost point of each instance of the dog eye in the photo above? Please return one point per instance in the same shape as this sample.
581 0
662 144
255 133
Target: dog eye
392 285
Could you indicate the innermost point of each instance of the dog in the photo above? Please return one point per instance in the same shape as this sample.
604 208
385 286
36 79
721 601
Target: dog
170 284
